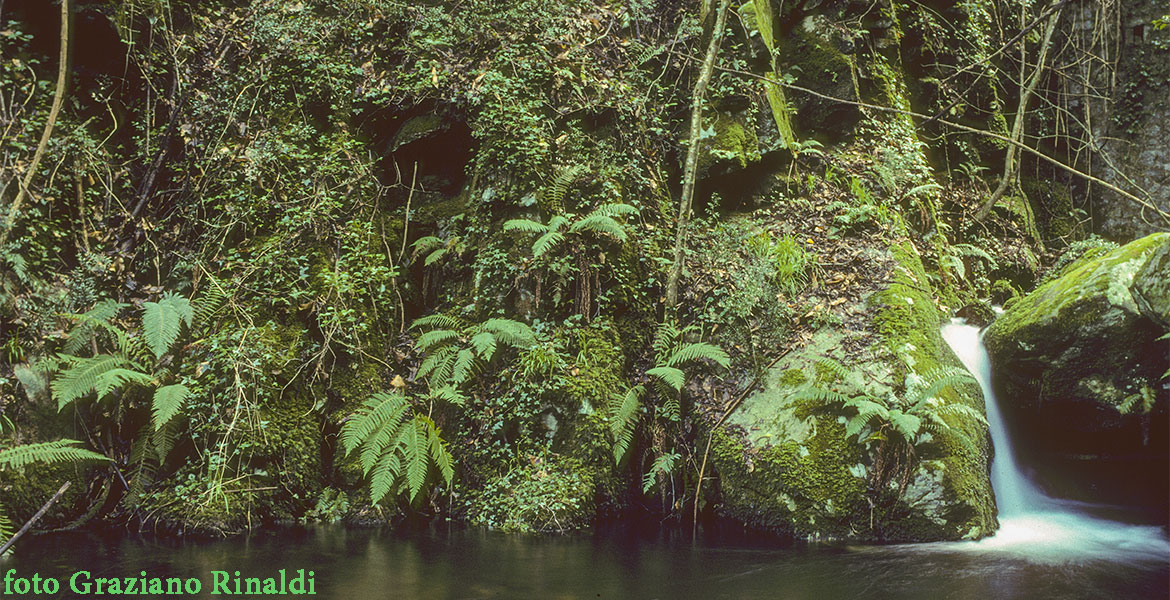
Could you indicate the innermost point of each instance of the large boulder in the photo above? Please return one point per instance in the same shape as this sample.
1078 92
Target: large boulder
1080 366
786 462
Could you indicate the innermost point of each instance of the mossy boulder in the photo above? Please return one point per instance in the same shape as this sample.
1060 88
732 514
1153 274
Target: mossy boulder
1080 365
786 463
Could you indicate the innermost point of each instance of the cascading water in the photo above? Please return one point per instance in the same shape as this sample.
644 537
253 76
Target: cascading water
1032 523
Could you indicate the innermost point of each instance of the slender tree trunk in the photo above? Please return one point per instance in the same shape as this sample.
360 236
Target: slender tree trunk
1011 162
691 168
58 99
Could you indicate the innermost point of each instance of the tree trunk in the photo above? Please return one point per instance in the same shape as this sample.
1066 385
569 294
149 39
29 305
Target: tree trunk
1011 163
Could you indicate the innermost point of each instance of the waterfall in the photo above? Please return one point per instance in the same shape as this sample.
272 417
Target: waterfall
1031 522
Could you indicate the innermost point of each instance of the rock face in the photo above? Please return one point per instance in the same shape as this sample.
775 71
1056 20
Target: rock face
787 463
1080 367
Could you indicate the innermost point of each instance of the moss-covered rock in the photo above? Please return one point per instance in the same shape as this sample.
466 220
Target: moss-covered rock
1080 366
793 469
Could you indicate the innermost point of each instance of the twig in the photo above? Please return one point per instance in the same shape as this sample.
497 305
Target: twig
40 513
711 436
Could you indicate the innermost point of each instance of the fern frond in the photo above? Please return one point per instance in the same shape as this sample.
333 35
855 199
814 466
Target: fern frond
162 320
430 340
82 377
820 395
437 320
426 244
546 242
440 455
614 210
512 333
168 401
209 302
555 194
90 322
464 363
525 226
119 378
450 394
623 419
373 447
662 465
415 454
434 257
699 351
484 344
664 338
49 453
375 412
829 366
906 424
6 526
600 224
671 376
384 477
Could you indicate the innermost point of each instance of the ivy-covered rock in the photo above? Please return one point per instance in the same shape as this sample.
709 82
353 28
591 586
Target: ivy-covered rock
1081 366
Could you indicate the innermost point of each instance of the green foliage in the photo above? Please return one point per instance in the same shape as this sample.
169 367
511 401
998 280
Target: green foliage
161 321
542 493
455 350
47 453
893 426
43 453
397 448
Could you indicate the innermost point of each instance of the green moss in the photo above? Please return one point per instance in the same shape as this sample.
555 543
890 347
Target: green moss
908 324
734 141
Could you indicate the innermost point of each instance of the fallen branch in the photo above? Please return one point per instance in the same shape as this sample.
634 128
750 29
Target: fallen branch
40 513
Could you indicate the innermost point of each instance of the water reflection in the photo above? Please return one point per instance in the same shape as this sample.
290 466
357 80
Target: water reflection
375 564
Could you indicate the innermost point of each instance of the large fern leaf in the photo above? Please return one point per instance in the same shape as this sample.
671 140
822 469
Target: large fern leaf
513 333
439 453
415 455
162 320
671 376
430 340
484 344
546 242
168 401
119 378
623 419
525 225
375 412
600 224
663 465
60 451
83 375
699 351
462 368
437 320
90 322
613 210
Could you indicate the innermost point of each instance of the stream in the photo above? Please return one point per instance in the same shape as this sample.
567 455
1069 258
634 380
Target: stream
1046 548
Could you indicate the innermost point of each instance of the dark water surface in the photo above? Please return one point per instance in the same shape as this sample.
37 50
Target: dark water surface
437 563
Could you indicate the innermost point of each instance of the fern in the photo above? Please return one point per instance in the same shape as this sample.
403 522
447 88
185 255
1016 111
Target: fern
168 401
546 242
162 320
623 419
599 224
89 323
699 351
209 302
83 376
48 453
554 195
663 465
396 447
6 527
525 226
671 376
119 378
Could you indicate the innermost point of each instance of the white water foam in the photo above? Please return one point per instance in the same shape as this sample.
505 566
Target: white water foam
1032 524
